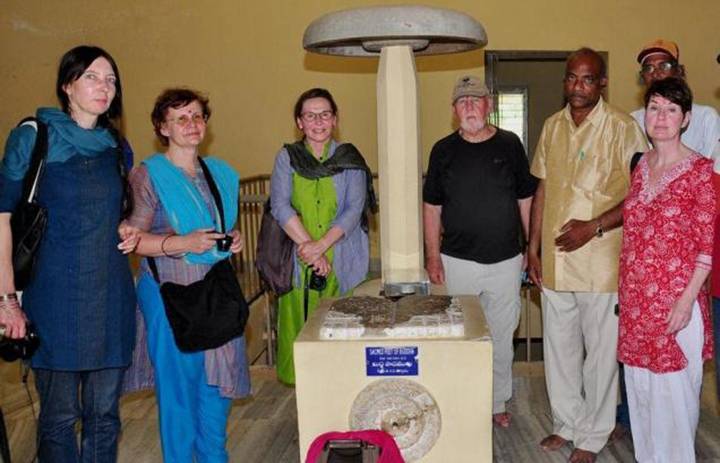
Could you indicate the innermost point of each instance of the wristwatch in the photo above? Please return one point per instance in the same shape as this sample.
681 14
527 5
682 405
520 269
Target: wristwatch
599 229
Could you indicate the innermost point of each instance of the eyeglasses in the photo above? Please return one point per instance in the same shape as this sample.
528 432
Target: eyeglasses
586 80
663 66
323 116
184 120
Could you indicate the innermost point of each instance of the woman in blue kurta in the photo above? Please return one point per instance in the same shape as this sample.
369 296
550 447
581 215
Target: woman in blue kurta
81 297
178 222
319 192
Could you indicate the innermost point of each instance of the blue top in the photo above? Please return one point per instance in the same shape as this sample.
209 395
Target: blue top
81 297
351 257
185 206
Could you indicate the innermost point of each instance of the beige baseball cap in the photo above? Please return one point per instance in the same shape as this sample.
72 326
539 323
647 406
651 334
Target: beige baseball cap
469 86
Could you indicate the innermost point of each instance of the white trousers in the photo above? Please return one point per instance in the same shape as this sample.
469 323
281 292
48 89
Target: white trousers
665 407
581 374
498 287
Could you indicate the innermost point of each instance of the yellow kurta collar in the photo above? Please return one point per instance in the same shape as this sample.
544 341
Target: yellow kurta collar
595 117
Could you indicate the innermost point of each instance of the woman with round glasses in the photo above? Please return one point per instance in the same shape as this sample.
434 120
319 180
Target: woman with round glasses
319 191
177 218
664 328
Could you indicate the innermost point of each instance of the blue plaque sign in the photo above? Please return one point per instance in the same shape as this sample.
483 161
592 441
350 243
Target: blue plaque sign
391 361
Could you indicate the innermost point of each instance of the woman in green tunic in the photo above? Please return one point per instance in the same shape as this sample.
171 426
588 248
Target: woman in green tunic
319 190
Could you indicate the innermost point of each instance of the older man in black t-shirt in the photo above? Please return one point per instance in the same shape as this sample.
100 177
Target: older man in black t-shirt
477 198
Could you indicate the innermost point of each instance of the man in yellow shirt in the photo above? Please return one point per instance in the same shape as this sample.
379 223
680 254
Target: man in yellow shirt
583 163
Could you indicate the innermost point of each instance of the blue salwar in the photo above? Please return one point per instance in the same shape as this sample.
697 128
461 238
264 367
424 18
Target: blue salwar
193 414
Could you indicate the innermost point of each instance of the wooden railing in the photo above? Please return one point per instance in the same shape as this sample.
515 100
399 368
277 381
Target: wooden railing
260 332
254 192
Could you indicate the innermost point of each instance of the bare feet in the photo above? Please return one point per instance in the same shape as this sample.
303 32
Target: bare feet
502 419
582 456
552 442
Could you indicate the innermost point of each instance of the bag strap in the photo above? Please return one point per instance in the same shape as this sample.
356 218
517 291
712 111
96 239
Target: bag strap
218 202
215 193
153 268
37 159
306 293
634 161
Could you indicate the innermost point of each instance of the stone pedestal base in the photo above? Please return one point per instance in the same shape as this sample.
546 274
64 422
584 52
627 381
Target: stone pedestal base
456 372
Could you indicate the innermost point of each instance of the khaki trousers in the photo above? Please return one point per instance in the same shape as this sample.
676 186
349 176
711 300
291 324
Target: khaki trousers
581 374
498 287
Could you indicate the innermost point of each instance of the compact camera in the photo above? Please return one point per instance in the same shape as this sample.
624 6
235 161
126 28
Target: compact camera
224 243
23 348
317 282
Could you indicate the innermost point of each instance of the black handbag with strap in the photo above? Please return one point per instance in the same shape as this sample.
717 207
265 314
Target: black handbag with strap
210 312
29 219
274 256
635 160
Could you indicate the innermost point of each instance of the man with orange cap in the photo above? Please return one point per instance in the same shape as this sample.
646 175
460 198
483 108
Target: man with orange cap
660 59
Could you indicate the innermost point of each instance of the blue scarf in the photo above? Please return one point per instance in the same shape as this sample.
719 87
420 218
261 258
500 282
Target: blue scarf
65 140
87 142
184 204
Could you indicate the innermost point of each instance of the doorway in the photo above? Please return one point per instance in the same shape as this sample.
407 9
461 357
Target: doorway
527 86
538 76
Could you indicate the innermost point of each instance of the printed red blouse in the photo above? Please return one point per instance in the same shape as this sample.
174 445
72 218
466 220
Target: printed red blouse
668 231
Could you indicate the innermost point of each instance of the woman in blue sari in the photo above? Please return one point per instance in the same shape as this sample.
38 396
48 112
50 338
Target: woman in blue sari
178 222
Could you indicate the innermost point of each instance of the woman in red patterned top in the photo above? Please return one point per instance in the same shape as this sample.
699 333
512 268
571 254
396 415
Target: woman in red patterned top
665 332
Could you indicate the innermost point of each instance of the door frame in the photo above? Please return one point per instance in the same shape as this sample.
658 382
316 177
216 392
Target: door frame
492 57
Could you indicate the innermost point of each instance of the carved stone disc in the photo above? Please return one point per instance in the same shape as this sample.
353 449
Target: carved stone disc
402 408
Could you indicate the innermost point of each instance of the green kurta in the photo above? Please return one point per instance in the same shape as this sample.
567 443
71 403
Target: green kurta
316 204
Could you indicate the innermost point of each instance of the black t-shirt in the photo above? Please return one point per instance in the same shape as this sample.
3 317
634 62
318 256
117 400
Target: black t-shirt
478 186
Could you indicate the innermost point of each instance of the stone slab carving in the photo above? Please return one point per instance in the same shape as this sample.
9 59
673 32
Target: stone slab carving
410 317
403 409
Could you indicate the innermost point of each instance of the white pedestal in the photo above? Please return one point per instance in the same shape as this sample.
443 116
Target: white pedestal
457 372
399 168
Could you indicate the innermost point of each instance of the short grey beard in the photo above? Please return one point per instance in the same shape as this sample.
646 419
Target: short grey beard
465 127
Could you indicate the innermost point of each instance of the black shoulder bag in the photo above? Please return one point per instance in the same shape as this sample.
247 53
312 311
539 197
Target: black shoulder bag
635 160
29 219
210 312
274 256
633 164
